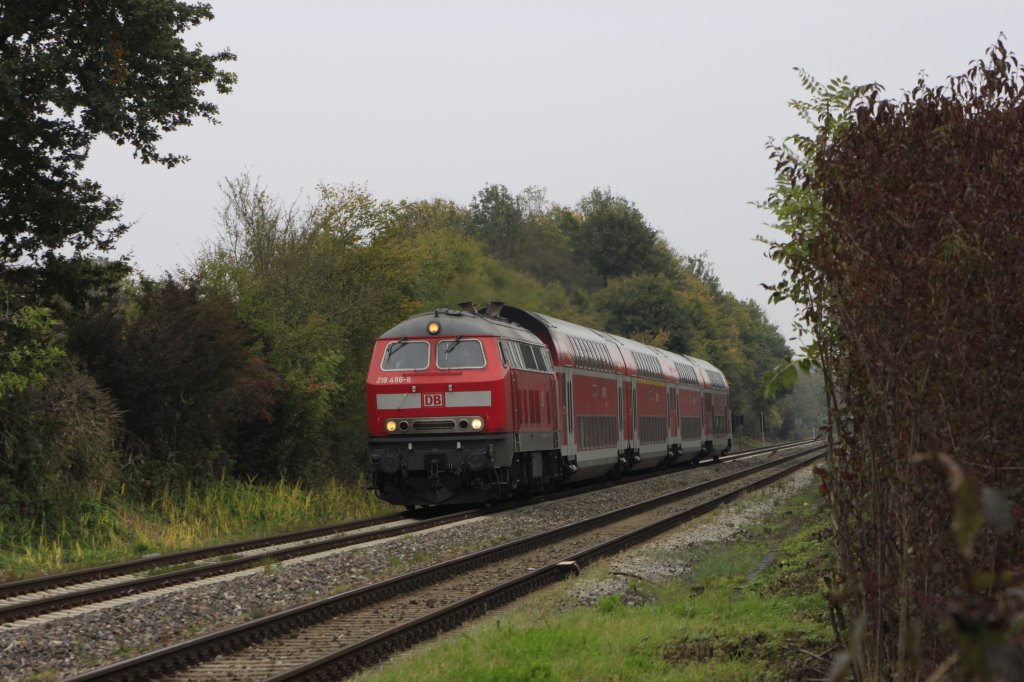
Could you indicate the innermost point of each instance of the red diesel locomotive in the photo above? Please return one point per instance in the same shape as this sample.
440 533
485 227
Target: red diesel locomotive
466 406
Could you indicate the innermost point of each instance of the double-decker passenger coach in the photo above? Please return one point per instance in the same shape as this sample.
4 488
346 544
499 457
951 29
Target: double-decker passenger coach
466 406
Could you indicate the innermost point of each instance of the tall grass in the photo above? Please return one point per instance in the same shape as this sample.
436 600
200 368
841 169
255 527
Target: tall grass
106 526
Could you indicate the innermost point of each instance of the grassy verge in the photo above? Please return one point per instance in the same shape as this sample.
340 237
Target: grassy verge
109 527
749 609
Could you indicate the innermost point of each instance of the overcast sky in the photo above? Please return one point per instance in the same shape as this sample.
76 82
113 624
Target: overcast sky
668 104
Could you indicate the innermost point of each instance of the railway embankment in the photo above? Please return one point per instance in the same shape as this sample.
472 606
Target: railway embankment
62 644
736 595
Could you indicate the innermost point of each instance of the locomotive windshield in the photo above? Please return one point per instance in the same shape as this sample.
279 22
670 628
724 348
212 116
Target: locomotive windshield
406 355
460 354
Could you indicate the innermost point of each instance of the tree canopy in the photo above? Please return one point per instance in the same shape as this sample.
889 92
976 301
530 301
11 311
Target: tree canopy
69 72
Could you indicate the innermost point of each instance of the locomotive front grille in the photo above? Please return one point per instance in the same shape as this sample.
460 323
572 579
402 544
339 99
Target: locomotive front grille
433 425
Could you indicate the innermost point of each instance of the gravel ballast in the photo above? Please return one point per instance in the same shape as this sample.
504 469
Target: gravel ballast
66 644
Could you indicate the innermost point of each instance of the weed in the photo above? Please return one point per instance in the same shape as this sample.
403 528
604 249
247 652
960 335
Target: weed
114 525
269 565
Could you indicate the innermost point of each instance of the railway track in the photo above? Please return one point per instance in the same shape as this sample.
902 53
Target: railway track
341 634
99 585
48 594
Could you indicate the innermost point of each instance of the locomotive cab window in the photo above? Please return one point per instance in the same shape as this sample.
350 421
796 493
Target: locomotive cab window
460 354
406 355
527 356
529 359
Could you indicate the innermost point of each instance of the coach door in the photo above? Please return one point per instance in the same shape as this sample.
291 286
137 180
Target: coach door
709 416
670 424
626 413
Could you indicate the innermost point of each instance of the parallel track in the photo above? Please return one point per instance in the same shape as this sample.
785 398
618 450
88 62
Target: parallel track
149 563
69 590
342 634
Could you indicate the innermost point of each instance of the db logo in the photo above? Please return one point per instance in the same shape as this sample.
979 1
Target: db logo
433 400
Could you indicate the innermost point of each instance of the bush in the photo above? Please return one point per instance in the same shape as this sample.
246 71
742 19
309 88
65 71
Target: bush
57 427
906 248
187 374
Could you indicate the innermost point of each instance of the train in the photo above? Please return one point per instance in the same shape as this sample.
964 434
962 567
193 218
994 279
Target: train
473 405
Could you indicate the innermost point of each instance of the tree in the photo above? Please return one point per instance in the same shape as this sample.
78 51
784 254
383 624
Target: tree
57 427
188 374
614 237
497 219
700 267
645 307
319 283
69 72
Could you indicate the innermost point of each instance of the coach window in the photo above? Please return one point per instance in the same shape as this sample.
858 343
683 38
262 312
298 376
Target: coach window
460 354
406 355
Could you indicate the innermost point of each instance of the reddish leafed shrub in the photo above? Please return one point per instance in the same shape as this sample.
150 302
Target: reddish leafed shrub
916 260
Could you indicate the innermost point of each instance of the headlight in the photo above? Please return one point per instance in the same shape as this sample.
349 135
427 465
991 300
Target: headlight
391 425
476 423
433 328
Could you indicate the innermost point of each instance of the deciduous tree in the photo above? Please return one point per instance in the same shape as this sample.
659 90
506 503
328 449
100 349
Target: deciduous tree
69 72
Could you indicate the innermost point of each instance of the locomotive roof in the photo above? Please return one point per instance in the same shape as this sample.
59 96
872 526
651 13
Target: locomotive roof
459 323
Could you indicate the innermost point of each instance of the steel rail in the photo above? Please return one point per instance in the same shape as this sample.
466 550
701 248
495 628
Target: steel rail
38 584
192 652
355 657
91 595
48 582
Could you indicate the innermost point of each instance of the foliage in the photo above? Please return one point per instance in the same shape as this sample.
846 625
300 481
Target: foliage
528 233
497 219
614 237
187 374
29 348
319 283
903 248
70 71
648 306
56 426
